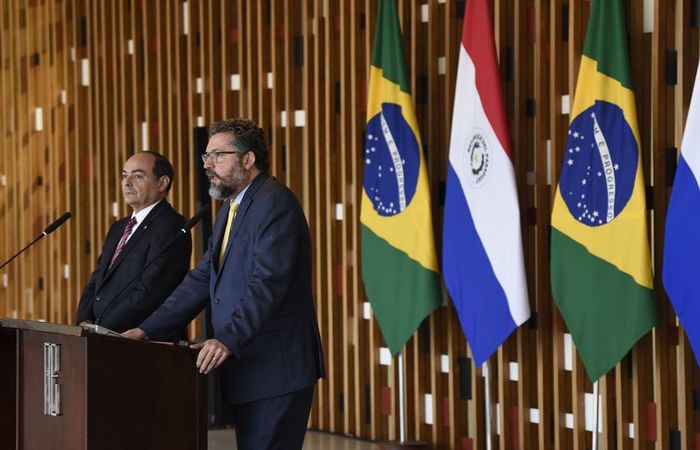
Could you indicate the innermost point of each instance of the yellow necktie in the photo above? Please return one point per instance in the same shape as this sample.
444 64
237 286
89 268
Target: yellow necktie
224 243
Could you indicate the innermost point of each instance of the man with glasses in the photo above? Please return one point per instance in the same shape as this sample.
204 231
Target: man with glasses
123 291
256 275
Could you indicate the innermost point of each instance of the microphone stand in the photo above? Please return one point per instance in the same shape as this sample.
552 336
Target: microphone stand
48 230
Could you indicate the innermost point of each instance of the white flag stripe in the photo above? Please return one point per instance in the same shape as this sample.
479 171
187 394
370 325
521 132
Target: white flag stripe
691 134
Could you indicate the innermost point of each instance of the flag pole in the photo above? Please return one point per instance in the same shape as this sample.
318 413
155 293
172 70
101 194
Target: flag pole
595 415
403 441
487 404
402 399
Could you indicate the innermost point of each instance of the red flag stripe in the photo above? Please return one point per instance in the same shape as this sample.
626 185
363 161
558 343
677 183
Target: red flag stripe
477 39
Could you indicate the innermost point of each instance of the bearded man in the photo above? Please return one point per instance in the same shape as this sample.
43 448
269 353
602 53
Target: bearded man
256 275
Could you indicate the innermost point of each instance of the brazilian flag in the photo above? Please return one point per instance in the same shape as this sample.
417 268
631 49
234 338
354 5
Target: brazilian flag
600 260
399 264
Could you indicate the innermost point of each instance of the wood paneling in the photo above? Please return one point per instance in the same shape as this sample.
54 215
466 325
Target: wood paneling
111 78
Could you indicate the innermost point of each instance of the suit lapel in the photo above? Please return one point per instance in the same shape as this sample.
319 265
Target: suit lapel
240 215
133 240
109 247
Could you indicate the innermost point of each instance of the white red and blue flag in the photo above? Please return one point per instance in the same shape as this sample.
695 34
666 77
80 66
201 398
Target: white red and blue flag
682 242
483 263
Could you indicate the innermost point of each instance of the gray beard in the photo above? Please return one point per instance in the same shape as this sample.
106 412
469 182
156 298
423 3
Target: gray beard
220 192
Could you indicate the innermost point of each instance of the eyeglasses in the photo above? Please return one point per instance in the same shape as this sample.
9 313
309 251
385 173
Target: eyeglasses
217 157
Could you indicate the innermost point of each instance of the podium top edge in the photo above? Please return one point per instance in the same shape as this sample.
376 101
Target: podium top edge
47 327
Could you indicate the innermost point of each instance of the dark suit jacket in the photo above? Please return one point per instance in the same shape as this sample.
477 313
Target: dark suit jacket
261 300
105 299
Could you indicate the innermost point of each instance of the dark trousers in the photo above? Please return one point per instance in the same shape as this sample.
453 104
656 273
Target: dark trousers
277 423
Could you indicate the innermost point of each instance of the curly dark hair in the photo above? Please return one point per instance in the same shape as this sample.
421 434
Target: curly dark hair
246 136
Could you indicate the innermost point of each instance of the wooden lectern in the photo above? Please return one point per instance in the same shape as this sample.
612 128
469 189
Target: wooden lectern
63 387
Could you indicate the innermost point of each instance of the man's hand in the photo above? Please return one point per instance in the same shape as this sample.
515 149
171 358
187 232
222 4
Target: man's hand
135 333
211 355
85 322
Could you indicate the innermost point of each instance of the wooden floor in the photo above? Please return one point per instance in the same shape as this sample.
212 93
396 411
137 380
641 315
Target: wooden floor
225 440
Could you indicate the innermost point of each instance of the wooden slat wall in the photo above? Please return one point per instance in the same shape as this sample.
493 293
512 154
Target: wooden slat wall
110 78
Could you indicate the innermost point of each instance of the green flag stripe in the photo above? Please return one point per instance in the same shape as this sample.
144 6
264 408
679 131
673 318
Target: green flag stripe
606 40
387 53
606 325
402 292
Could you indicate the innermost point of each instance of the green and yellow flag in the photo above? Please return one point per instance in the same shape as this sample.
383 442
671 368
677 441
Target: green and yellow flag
600 261
399 264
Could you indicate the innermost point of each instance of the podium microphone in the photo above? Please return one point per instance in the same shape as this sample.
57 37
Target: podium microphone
181 232
193 221
56 223
48 230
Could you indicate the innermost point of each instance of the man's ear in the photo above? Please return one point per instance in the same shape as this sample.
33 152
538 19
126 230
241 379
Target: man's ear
249 160
163 183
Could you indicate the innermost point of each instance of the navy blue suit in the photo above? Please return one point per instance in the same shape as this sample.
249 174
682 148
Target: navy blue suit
262 306
108 300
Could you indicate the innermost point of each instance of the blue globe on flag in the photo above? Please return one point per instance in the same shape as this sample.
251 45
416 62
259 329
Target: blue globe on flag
599 164
392 161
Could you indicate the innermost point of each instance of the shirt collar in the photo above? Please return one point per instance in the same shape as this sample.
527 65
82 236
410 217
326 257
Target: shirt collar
139 216
239 197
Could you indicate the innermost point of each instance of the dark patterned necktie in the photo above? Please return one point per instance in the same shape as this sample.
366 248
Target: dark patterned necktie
122 242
